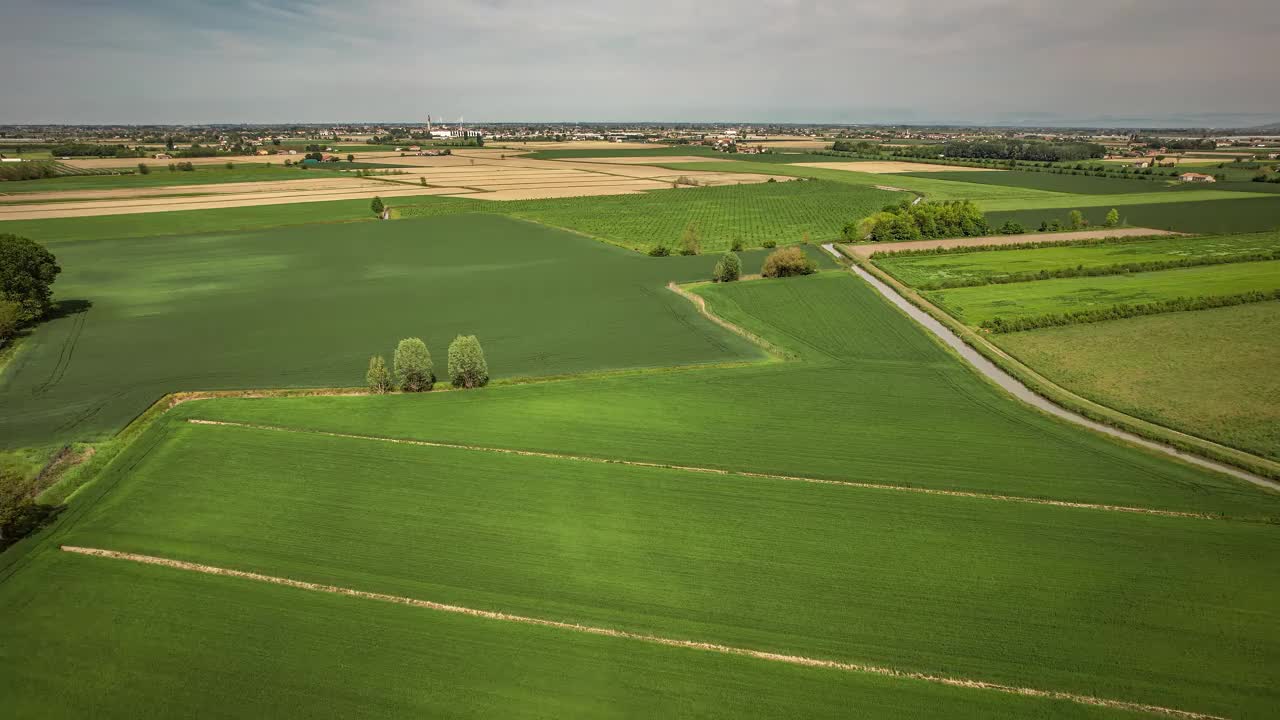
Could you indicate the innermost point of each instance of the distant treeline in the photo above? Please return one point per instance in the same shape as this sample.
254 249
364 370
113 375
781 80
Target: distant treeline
91 150
1031 150
1185 144
1118 312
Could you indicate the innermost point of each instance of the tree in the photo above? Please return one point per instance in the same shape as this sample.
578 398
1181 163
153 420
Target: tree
377 206
19 515
659 250
231 165
414 371
26 272
737 245
143 169
786 262
690 244
378 379
467 366
9 312
1075 220
351 158
728 269
422 181
1113 218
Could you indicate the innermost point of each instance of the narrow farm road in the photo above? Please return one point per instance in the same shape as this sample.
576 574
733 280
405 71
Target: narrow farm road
1029 396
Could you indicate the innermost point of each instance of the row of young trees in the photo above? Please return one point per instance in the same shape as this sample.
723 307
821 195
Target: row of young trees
413 370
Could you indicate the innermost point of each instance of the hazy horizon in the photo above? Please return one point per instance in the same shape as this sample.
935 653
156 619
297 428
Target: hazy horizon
973 62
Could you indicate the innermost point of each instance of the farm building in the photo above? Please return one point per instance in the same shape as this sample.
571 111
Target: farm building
163 156
1196 177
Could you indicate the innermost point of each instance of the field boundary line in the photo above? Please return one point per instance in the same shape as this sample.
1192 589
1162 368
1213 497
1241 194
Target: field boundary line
700 303
712 471
642 637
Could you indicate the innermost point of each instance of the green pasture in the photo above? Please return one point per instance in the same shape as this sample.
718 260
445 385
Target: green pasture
988 266
974 305
1210 373
782 212
1065 202
112 639
1075 184
1225 213
307 306
871 399
931 188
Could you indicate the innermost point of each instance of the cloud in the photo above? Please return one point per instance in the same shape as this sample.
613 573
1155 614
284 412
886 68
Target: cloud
770 60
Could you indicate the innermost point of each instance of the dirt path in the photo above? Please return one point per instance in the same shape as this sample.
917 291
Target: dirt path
628 635
866 251
1030 397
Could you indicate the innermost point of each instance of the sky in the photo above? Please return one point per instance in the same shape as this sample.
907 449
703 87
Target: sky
1095 62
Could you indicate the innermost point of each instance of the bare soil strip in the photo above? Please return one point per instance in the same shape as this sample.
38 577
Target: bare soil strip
865 251
654 639
712 471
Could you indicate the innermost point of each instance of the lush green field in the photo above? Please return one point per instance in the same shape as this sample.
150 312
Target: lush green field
970 587
667 552
985 266
780 212
973 305
1076 184
1065 202
1210 373
306 306
160 176
1232 212
116 640
874 400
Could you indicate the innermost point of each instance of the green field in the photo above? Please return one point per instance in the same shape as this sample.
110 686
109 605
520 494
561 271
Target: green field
986 266
161 176
929 187
1230 213
1076 184
974 305
109 639
1210 373
1065 202
191 313
780 212
1171 611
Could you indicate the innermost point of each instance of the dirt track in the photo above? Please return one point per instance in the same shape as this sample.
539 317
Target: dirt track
865 251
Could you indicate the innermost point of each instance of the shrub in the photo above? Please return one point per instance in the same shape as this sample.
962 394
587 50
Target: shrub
467 366
728 268
689 242
414 371
377 206
1012 227
143 169
422 181
786 262
1113 218
231 165
770 243
1075 220
377 378
19 515
659 250
737 245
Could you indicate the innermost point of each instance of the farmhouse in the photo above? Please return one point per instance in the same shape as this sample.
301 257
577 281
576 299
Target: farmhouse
1196 177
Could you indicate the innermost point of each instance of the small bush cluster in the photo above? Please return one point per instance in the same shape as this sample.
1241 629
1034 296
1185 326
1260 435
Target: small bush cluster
921 220
788 262
414 371
1117 312
728 268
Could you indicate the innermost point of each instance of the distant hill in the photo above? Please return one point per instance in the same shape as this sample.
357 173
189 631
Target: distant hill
1272 129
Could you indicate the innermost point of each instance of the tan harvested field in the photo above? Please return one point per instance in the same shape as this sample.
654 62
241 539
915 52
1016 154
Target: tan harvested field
648 160
209 202
888 167
867 250
132 163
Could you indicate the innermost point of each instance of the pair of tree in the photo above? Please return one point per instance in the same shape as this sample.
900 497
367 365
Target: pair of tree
728 268
414 371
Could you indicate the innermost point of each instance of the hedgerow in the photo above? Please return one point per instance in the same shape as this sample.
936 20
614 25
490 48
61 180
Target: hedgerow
1082 271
